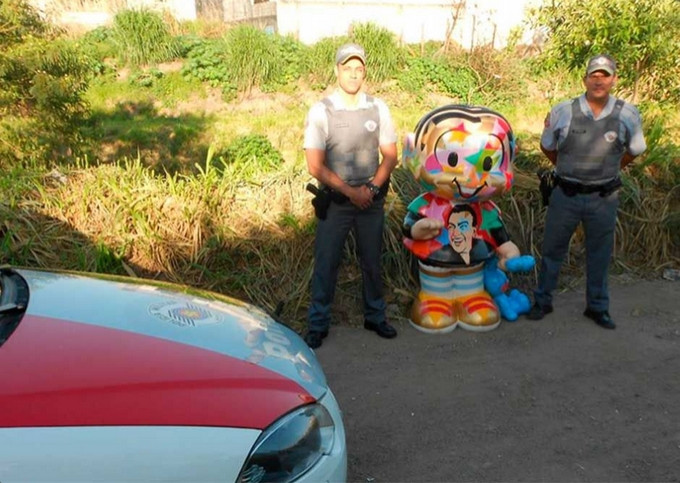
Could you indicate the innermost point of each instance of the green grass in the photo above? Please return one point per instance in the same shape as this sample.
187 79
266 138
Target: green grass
168 90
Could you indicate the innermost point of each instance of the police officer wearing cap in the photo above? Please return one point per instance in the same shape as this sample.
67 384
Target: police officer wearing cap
588 139
346 135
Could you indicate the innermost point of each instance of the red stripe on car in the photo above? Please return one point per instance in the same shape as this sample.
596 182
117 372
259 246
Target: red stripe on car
60 373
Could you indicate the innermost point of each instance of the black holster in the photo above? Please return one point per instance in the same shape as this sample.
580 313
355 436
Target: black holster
321 201
547 183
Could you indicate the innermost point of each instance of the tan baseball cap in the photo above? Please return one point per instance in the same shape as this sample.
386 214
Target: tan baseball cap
601 62
349 51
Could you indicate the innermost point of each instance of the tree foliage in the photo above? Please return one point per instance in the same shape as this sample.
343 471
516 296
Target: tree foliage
643 35
42 79
18 20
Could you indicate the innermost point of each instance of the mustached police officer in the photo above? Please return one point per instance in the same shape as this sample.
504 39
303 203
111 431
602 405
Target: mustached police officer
589 140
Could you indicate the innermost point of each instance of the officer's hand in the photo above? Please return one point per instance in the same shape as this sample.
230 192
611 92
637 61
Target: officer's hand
361 197
426 229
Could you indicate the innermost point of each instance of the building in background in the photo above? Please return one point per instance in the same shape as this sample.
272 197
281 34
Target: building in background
469 23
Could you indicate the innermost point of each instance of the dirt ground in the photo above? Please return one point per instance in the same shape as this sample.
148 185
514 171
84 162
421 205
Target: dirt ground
554 400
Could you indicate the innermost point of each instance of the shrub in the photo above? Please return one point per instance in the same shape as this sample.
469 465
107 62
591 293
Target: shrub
291 55
207 62
145 78
19 21
499 76
437 74
187 43
97 46
251 156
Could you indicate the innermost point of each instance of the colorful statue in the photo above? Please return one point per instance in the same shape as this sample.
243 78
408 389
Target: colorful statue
462 156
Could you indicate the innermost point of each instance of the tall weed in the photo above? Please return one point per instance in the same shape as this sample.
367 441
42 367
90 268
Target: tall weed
383 56
142 37
251 60
320 61
660 164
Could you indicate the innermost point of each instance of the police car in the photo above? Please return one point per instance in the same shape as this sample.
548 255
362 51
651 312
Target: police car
116 379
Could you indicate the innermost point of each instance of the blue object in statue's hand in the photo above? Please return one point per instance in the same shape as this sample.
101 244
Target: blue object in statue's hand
522 263
510 302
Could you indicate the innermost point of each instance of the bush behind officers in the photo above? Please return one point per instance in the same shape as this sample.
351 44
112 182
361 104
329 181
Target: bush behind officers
345 135
589 139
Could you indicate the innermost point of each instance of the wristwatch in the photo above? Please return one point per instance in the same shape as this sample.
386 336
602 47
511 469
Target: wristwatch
374 189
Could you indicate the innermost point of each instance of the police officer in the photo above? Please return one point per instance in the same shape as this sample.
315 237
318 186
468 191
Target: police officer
346 134
589 139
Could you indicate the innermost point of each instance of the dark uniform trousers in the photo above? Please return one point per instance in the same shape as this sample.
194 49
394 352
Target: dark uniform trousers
331 235
598 215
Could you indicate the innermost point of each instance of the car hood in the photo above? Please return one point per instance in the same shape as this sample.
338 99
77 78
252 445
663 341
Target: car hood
95 351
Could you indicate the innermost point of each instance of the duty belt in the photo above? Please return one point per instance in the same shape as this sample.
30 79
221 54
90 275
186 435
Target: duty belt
571 188
339 198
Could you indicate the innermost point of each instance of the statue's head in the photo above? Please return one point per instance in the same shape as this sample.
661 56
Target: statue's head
462 153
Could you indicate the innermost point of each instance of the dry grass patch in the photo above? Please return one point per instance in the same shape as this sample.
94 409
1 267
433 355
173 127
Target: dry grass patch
254 240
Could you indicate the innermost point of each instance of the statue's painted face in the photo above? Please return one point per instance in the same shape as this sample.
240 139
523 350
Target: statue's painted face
461 229
464 154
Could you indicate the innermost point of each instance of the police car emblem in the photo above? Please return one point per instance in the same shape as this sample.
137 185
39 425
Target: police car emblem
184 314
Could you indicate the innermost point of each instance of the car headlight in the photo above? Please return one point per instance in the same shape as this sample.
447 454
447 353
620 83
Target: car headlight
290 446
